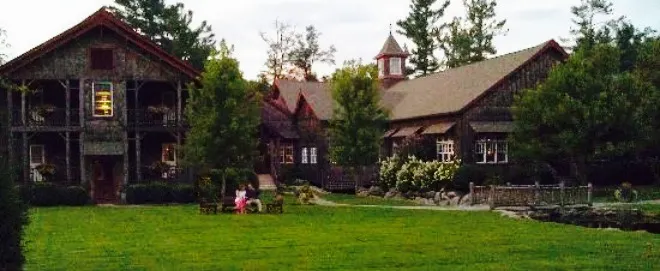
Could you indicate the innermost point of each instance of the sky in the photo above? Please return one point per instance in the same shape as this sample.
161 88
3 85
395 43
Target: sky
357 28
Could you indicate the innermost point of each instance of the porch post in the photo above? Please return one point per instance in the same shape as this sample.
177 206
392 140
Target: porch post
67 93
23 114
67 139
26 164
123 187
178 103
81 139
10 142
138 162
67 136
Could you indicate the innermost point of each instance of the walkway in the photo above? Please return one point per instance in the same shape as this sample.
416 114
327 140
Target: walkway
324 202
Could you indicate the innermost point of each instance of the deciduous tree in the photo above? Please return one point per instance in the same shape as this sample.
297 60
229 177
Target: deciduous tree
307 51
224 116
280 48
419 27
358 121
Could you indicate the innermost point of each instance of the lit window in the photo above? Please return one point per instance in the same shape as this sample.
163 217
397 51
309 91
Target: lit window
102 99
490 151
169 154
381 67
286 154
445 149
312 155
395 66
304 156
37 155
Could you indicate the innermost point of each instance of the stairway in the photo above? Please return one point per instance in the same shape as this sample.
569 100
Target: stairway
266 182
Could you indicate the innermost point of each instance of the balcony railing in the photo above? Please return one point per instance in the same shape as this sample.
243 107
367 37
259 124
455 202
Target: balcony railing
148 118
45 118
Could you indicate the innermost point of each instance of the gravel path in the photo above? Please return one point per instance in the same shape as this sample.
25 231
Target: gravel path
324 202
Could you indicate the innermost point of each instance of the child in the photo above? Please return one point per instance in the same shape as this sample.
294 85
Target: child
240 200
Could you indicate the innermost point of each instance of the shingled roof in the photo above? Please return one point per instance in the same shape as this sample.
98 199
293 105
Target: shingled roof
391 47
317 94
454 89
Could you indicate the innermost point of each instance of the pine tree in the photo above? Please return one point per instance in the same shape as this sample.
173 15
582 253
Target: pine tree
418 27
358 121
308 51
169 26
224 116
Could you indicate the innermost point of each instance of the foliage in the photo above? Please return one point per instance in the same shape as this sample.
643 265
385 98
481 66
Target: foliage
586 34
47 170
307 51
358 121
304 194
587 110
280 50
416 175
207 191
13 213
625 193
49 194
389 167
224 116
418 27
470 40
169 26
3 43
159 192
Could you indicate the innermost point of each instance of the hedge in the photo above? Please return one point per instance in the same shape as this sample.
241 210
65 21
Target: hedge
159 192
49 194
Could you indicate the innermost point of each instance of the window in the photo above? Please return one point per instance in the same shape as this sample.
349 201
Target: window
304 156
101 59
286 154
102 99
491 151
381 67
312 155
395 66
169 154
445 149
37 155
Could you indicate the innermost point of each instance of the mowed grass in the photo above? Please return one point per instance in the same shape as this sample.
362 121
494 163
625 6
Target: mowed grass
353 200
322 238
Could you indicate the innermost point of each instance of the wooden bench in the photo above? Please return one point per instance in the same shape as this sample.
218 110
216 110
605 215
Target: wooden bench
208 208
275 207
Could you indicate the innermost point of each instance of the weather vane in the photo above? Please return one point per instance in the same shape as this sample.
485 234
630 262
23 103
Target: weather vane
390 29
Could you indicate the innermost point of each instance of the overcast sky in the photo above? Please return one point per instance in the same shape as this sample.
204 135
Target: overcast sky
357 28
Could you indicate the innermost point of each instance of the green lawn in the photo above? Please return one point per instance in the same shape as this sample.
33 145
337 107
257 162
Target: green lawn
353 200
322 238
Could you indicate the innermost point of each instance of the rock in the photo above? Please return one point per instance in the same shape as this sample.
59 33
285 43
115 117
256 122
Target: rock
430 202
451 194
391 194
363 194
362 189
376 191
430 195
437 197
454 201
465 200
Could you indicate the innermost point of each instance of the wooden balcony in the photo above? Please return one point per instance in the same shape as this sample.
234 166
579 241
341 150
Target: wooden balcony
147 118
45 118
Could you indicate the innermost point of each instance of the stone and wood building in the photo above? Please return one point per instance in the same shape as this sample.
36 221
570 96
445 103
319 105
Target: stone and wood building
105 108
460 113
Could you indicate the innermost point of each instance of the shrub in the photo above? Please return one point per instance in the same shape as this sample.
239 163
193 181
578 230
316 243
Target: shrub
388 170
469 173
14 218
416 175
74 196
49 194
159 192
183 193
625 193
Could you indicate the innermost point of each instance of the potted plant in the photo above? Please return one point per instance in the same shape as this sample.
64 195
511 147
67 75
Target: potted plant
46 170
158 109
159 168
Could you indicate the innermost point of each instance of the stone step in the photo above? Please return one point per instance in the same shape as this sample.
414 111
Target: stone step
266 182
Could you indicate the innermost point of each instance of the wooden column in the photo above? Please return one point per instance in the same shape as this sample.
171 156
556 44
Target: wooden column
126 175
138 162
26 164
10 141
179 110
23 109
81 139
67 135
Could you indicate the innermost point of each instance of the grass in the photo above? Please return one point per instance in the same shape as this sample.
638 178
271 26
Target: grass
353 200
322 238
606 194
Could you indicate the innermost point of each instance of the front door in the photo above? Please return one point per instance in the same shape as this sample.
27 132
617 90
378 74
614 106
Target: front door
104 181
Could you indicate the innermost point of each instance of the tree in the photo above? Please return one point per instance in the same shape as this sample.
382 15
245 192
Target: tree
12 210
308 51
169 26
470 40
280 49
587 110
358 121
587 34
3 44
418 27
224 116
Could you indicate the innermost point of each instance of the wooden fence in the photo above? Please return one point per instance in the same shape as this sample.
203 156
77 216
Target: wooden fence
531 195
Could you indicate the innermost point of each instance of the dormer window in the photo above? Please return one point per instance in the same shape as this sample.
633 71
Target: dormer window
395 66
381 67
101 59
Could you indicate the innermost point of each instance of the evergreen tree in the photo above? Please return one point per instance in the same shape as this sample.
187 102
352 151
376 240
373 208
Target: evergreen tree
470 39
3 44
308 51
587 34
280 48
418 27
224 116
169 26
358 121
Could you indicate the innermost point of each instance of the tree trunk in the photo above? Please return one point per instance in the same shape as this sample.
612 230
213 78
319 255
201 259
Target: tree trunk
223 188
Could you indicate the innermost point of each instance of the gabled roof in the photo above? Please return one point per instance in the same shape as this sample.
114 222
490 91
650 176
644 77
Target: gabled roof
102 17
316 94
455 89
391 47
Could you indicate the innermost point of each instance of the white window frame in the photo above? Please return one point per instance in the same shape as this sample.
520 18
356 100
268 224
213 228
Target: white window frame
112 99
303 158
286 154
312 155
381 67
483 146
445 150
43 155
162 154
395 66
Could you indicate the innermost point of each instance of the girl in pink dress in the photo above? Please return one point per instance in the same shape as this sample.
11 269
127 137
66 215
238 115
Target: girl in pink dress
241 200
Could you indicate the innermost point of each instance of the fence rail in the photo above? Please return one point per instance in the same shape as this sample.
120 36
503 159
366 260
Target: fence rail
531 195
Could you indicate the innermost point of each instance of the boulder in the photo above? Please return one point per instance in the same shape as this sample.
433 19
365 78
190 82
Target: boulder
443 203
430 195
454 201
362 194
465 200
391 194
376 191
437 197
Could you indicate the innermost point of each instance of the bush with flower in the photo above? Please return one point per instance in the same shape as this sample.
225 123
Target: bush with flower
413 174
